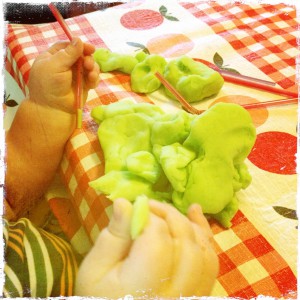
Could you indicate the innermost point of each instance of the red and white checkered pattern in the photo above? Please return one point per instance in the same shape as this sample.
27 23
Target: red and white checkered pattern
265 35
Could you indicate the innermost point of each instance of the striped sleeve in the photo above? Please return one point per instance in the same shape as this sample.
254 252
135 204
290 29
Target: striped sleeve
37 263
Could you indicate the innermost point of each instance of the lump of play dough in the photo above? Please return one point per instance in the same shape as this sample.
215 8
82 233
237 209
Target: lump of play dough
122 184
150 169
140 216
143 79
193 80
222 138
111 61
176 157
174 160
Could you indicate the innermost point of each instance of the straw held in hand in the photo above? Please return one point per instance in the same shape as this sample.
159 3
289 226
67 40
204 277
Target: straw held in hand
79 65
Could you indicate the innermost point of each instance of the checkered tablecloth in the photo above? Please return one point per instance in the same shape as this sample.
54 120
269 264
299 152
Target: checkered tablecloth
258 254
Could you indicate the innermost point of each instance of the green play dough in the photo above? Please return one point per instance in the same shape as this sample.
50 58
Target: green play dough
193 80
111 61
225 216
143 79
140 216
171 128
174 160
122 184
176 157
222 138
150 170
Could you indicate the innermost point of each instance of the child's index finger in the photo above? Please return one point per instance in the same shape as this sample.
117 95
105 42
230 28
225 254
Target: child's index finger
70 54
88 49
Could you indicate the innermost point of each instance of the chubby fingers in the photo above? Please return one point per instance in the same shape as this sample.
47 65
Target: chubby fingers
88 49
196 216
68 56
91 72
57 47
178 224
110 248
114 241
188 261
195 262
120 223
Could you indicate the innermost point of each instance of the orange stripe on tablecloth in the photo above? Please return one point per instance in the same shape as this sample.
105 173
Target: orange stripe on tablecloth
107 97
77 197
100 204
268 286
267 261
93 217
63 210
253 247
91 174
118 78
245 230
240 253
97 215
66 174
234 281
285 280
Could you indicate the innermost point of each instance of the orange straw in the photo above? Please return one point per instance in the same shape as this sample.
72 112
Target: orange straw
79 64
194 110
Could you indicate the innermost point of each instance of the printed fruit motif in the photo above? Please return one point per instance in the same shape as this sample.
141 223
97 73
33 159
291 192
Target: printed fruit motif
141 19
275 152
9 102
218 63
259 115
170 45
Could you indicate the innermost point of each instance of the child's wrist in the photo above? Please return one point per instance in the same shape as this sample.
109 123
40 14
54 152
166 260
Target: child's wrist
53 119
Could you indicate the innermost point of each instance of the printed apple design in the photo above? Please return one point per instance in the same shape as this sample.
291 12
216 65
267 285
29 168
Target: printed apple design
142 19
275 152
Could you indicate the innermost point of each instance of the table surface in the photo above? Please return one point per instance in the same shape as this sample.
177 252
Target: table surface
258 254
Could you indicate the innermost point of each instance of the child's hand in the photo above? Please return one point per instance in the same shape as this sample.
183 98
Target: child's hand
52 79
172 257
44 122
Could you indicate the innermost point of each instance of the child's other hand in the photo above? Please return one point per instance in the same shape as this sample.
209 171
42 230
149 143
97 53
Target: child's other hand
52 80
173 256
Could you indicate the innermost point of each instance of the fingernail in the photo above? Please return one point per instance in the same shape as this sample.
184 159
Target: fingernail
74 42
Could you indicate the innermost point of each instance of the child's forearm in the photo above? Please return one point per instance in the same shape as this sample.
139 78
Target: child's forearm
35 145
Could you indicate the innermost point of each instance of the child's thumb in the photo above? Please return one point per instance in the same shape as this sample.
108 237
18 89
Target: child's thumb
69 56
114 241
110 248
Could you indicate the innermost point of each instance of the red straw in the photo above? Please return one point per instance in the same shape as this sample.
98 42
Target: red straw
60 20
271 103
260 86
194 110
184 103
248 81
79 65
226 73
